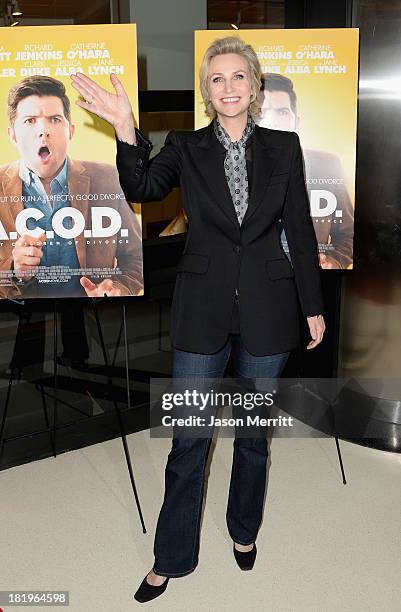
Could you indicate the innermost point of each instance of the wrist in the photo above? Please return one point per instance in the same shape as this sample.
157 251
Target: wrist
125 131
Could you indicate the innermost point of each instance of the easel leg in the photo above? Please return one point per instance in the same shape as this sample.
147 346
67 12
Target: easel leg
55 370
24 318
117 409
120 333
340 460
337 315
39 387
160 326
4 418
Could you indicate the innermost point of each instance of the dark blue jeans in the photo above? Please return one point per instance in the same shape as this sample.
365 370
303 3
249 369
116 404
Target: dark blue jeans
176 544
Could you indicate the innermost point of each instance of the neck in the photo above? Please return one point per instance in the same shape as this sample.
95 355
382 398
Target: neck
234 126
46 181
46 185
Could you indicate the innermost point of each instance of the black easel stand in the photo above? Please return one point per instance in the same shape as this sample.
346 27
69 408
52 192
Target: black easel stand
53 428
340 460
336 339
16 369
15 375
117 409
322 362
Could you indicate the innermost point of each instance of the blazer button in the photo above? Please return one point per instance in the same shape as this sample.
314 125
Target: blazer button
237 248
139 162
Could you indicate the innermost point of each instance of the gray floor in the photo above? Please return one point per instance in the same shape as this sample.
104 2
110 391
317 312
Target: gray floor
70 523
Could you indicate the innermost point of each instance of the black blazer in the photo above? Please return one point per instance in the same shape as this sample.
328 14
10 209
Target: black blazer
220 256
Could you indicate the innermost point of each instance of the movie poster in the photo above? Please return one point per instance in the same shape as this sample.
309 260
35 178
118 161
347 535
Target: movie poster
66 229
310 85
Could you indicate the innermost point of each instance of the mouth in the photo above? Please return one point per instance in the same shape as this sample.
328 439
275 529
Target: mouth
230 100
44 153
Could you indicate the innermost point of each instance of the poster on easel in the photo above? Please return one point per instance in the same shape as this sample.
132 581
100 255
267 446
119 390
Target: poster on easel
309 85
66 229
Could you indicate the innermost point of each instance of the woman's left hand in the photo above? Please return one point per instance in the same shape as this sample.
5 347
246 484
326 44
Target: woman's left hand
316 328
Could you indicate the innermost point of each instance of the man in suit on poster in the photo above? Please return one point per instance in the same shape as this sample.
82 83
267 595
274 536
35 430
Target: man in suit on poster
334 232
46 180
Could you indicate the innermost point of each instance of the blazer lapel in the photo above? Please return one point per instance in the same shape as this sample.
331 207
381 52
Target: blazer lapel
264 160
209 158
79 184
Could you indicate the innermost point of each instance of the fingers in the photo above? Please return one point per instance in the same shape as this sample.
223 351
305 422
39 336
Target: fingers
91 94
90 89
27 253
30 251
21 251
86 105
332 264
323 263
118 87
89 287
317 328
328 263
106 287
88 102
85 85
28 262
82 89
29 240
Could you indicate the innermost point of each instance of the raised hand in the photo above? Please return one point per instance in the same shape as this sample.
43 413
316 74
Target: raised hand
27 254
115 108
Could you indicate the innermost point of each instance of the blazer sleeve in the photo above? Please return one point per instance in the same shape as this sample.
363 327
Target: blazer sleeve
144 180
301 237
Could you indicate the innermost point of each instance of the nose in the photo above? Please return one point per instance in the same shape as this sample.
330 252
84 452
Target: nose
43 129
267 120
228 86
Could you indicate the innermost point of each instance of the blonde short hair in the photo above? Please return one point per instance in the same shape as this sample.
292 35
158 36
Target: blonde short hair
231 44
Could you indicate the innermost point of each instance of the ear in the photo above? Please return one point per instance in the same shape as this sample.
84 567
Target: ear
11 134
297 122
72 130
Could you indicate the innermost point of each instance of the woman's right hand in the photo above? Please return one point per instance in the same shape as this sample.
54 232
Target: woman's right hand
113 108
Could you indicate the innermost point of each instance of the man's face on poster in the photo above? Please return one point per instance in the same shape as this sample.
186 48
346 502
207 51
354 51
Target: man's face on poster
42 133
276 111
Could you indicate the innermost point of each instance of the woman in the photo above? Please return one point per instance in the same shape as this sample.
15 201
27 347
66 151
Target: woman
236 292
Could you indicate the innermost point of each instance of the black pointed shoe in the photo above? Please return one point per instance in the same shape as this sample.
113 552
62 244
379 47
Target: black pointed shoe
147 591
245 560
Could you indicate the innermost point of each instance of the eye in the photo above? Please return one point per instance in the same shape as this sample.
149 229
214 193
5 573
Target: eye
239 76
55 120
217 79
283 113
30 120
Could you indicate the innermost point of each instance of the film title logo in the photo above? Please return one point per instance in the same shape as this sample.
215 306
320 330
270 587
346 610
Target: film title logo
104 222
323 203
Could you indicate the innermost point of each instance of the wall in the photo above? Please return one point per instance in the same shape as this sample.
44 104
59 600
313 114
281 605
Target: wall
165 41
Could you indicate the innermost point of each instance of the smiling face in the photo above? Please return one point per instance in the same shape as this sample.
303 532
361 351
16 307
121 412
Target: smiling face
42 133
229 84
276 111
